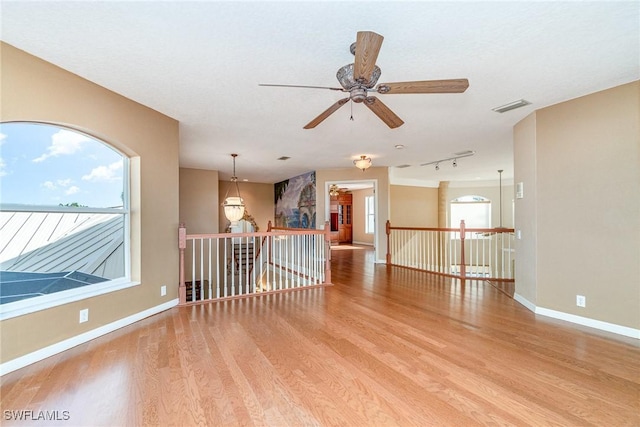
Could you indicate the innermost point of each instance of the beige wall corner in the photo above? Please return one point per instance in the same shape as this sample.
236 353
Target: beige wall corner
199 201
35 90
582 173
414 206
524 149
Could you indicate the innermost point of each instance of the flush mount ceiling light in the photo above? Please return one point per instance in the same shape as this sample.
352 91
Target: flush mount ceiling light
363 163
511 106
233 205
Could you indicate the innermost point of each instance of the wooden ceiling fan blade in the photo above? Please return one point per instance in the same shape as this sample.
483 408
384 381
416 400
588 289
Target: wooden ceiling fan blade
383 112
368 46
426 86
304 87
326 113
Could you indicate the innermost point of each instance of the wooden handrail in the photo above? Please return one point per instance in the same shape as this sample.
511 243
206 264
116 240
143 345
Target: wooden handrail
415 256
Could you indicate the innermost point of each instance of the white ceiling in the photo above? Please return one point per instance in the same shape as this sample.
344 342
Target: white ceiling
201 62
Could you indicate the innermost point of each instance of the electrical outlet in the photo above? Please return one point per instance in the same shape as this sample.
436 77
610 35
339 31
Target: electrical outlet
163 290
84 315
581 301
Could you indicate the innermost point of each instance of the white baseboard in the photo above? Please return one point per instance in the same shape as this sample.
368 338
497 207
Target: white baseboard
522 300
362 243
61 346
584 321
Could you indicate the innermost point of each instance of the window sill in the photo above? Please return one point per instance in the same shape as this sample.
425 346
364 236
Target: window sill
32 305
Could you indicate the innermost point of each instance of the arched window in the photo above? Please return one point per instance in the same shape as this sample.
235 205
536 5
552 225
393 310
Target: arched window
64 216
474 210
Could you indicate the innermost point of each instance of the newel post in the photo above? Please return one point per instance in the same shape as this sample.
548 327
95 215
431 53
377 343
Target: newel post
463 267
327 251
182 245
388 230
269 226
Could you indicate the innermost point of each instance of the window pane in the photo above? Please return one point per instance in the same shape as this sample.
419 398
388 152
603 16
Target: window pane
64 214
474 210
51 166
52 252
369 215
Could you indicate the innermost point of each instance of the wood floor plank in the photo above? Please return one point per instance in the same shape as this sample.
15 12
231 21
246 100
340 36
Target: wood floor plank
382 346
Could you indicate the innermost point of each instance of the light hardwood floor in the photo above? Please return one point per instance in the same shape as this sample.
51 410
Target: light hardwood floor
380 347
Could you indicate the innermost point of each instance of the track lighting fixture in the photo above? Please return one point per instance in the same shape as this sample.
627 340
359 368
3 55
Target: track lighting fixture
454 160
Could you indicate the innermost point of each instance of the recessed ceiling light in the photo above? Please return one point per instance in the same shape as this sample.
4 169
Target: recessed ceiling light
245 180
399 146
284 158
511 106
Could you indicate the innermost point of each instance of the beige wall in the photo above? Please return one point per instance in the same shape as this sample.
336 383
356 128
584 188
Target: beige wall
414 206
258 199
379 175
358 217
34 90
199 206
202 194
586 210
524 162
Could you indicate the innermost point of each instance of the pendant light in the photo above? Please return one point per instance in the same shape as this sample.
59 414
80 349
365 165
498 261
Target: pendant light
233 205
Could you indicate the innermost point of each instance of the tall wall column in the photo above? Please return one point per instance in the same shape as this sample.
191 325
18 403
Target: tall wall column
443 189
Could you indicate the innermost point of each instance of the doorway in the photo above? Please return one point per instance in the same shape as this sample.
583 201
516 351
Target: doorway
351 208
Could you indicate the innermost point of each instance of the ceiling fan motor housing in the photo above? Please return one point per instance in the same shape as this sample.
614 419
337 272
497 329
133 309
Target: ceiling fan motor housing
345 77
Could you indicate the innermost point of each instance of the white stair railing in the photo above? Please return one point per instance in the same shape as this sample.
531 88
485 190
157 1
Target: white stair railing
219 266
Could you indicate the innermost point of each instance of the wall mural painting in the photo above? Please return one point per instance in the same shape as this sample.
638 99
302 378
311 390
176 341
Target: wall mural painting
295 201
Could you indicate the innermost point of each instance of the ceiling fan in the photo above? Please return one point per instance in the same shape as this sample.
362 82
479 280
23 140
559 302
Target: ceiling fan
359 78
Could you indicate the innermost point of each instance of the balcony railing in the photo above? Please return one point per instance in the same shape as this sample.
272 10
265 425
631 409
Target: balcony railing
465 253
232 265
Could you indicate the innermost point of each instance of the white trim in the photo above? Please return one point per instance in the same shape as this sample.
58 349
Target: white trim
61 346
579 320
362 243
592 323
31 305
522 300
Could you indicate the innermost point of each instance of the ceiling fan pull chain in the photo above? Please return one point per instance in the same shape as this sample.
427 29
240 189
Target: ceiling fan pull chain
351 118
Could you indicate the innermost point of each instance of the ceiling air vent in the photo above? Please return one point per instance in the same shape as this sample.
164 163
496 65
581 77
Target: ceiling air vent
403 166
284 158
511 106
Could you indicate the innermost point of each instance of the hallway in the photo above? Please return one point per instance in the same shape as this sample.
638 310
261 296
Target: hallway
383 346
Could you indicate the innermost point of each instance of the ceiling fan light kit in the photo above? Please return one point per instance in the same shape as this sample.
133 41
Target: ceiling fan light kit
360 77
